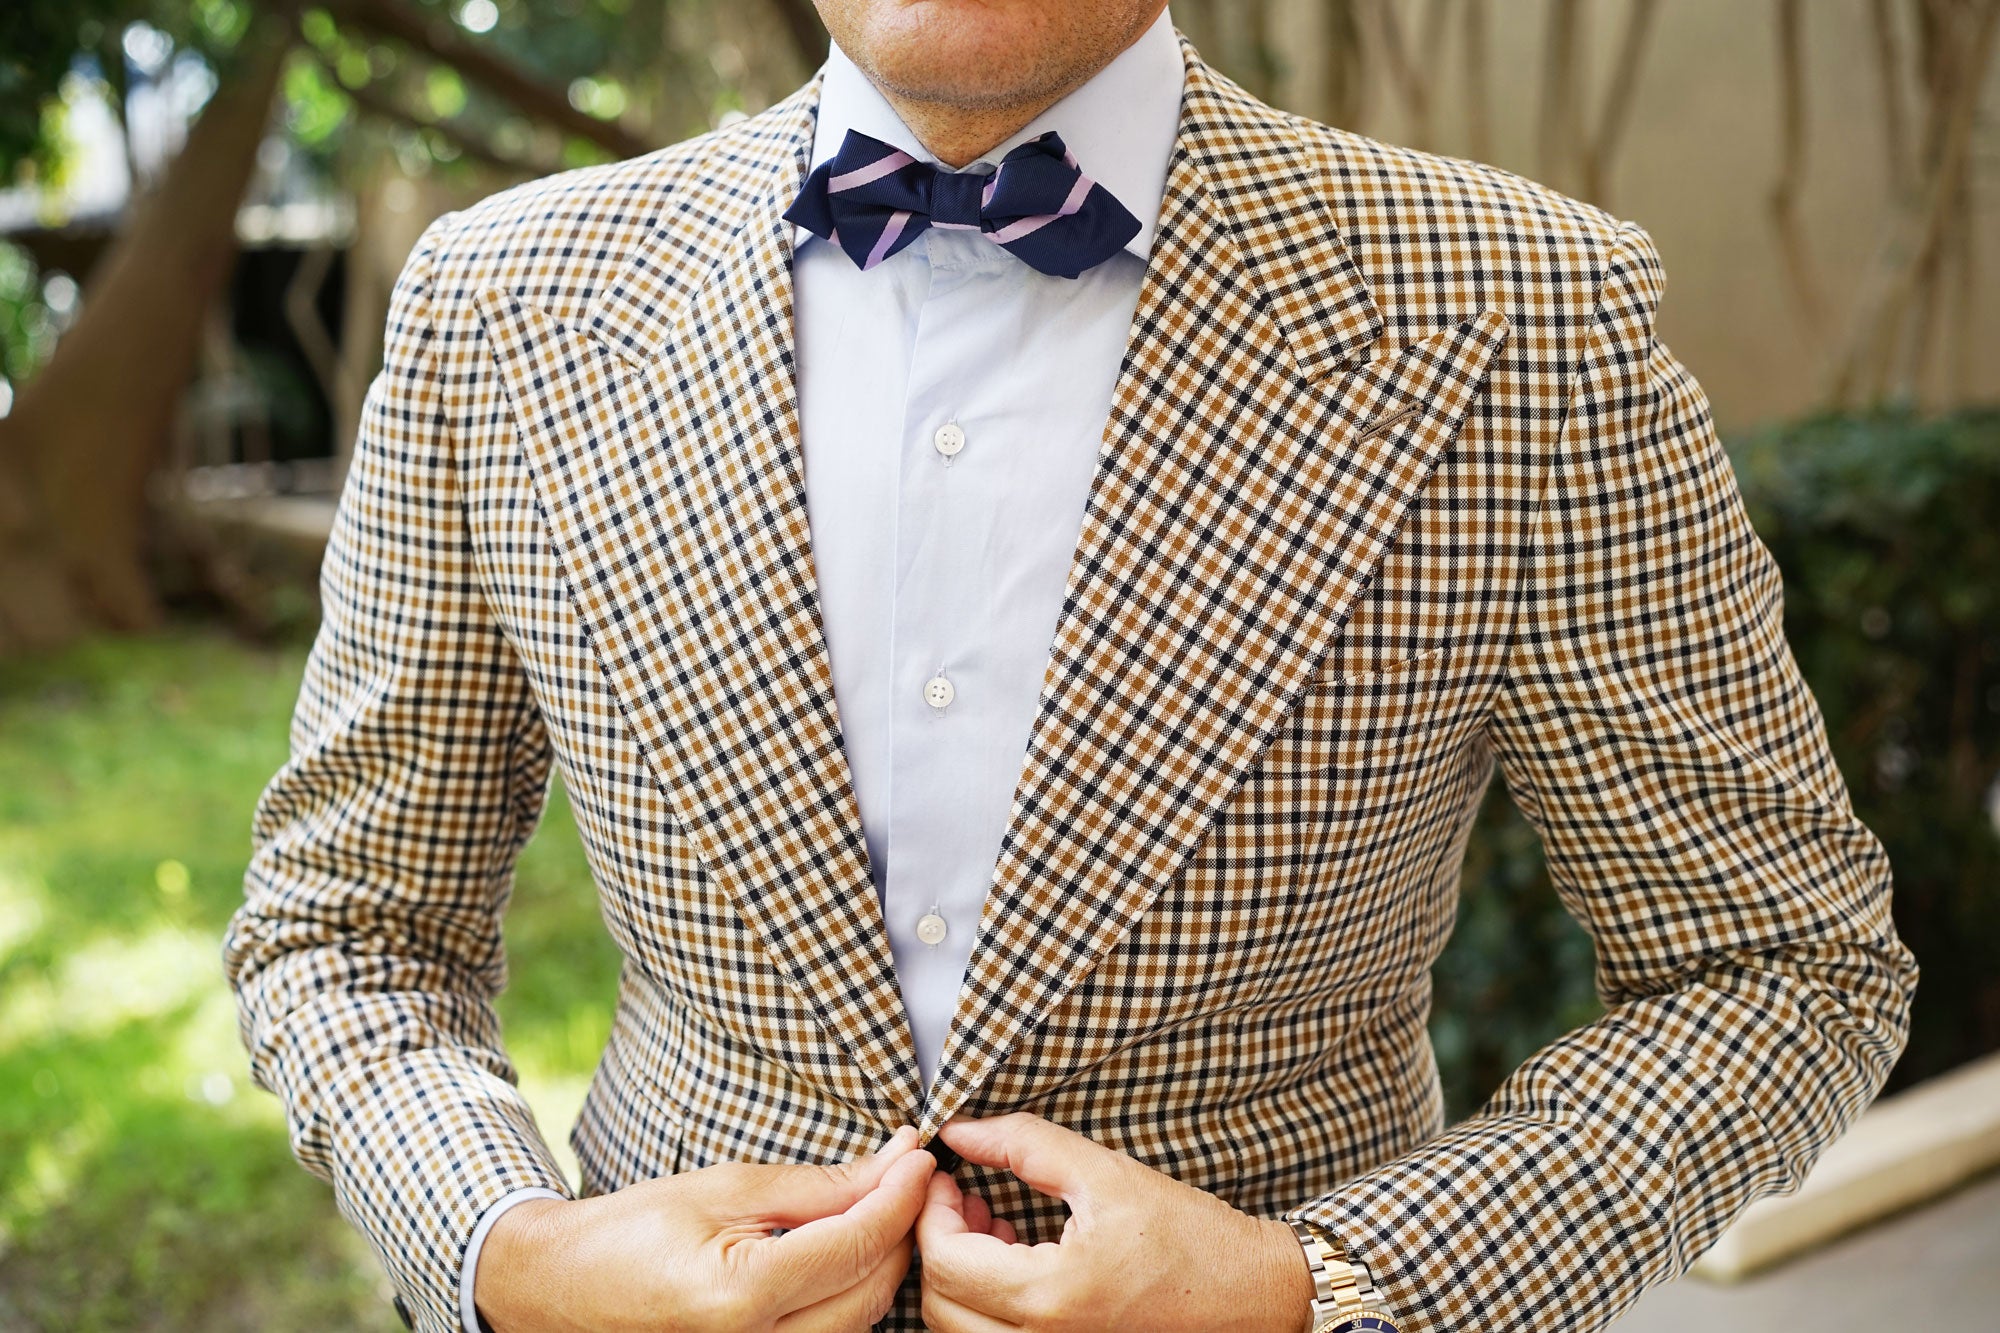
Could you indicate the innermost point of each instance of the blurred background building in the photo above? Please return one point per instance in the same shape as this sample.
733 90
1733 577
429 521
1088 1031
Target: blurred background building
203 206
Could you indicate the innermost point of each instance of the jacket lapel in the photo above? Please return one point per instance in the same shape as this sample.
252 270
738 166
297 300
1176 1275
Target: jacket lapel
663 439
1253 472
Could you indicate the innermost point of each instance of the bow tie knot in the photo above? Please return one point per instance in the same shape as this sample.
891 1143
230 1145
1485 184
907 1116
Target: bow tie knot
872 199
955 198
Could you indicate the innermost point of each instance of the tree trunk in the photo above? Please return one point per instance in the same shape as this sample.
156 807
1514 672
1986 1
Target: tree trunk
88 431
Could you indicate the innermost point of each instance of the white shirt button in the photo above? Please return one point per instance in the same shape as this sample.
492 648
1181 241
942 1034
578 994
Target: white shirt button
938 691
949 439
931 928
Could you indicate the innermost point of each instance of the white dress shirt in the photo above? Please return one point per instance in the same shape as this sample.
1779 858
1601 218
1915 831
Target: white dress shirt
949 566
952 403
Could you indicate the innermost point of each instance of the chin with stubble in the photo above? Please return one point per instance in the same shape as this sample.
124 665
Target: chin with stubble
984 55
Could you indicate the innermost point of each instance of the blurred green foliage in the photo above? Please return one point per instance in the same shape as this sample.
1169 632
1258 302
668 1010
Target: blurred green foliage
43 42
1517 969
145 1184
27 332
602 55
605 57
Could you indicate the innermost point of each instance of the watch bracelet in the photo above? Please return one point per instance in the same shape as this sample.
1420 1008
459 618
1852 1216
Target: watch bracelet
1339 1283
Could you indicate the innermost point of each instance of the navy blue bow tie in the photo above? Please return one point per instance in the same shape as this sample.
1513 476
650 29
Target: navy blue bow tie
872 199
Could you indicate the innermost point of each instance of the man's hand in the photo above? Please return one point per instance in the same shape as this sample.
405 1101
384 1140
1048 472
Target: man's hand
695 1251
1140 1249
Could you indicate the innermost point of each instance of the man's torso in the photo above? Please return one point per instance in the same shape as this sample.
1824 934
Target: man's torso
1235 848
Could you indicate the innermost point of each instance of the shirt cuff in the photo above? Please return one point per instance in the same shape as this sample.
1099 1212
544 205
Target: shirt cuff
468 1310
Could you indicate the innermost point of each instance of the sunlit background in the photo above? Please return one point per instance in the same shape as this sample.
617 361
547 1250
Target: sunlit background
203 204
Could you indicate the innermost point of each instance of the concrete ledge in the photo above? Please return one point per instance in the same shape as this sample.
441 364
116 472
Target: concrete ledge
1903 1150
301 522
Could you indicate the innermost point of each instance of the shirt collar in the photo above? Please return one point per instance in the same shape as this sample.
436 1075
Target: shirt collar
1121 124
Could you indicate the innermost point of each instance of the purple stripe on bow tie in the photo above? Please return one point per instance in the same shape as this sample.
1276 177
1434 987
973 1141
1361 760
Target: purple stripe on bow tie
885 245
872 199
873 171
1014 231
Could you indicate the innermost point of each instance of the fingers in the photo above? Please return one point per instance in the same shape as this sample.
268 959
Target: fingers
1046 1156
974 1268
791 1195
862 1304
942 1314
826 1255
944 1212
978 1216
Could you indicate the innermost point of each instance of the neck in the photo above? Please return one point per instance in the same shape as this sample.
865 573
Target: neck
956 135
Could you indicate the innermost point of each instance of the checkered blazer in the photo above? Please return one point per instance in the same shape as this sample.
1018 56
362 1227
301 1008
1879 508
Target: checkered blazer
1398 484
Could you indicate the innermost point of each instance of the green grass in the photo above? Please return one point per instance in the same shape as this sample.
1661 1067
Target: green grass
145 1183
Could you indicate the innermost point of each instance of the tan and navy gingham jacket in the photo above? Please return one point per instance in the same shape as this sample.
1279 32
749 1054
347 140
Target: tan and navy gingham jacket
1398 484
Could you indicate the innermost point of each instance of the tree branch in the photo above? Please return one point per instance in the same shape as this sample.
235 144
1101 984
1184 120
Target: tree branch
1784 198
1403 72
1617 103
375 103
1889 65
444 42
1478 99
1958 64
1556 132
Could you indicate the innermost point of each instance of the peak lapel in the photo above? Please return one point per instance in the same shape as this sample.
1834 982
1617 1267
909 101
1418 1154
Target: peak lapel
1251 476
663 438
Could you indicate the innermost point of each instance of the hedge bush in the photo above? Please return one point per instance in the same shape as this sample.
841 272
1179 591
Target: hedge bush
1887 528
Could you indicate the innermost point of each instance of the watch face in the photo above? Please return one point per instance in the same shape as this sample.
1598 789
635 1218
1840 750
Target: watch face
1358 1321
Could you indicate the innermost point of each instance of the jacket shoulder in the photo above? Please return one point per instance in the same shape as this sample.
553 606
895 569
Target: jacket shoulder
556 241
1439 237
1379 172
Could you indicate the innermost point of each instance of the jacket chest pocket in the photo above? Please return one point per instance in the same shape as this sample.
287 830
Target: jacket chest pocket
1362 720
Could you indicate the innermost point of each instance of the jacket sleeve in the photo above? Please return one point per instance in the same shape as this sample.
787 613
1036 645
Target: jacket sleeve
367 950
1655 730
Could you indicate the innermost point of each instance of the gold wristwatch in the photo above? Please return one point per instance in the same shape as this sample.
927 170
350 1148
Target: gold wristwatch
1344 1299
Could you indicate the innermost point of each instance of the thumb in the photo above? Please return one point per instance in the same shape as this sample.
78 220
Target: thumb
792 1194
1051 1158
828 1255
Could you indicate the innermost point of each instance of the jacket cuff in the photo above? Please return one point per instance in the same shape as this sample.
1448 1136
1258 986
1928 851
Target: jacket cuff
423 1148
